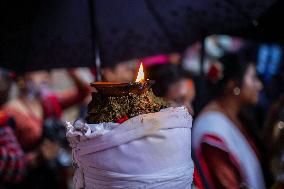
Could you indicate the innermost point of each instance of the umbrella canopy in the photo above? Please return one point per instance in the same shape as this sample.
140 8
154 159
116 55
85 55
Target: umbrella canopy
50 34
46 34
129 29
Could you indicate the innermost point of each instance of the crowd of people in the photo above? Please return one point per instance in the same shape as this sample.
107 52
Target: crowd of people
34 150
230 147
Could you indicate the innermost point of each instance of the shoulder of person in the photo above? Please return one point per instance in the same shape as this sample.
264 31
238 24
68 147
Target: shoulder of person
15 107
13 104
212 113
211 118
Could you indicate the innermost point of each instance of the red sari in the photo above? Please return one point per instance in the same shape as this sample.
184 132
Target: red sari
215 167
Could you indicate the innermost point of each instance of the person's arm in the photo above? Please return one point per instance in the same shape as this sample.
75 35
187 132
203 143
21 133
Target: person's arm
223 171
12 159
75 95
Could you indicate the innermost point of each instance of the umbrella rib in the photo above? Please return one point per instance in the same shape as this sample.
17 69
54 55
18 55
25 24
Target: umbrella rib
159 21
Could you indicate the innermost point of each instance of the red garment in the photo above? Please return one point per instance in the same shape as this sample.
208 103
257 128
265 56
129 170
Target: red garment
219 168
29 126
12 161
224 173
123 119
51 106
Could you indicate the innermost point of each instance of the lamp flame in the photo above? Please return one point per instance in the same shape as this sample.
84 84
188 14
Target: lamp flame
140 75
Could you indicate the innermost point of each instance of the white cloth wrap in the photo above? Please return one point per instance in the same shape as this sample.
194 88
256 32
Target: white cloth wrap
147 151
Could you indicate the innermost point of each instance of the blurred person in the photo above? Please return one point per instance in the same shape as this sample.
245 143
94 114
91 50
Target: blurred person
225 151
273 129
12 160
35 109
120 72
36 102
274 133
48 170
172 83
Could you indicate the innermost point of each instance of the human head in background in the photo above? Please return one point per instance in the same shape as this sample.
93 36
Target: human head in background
172 83
237 79
120 72
5 85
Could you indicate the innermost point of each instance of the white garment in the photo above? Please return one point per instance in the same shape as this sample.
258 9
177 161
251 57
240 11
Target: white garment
217 124
147 151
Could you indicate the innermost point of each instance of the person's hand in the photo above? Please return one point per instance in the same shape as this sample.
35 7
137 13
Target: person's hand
49 149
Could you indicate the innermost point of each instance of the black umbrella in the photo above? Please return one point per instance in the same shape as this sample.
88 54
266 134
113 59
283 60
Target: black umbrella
151 27
66 33
46 34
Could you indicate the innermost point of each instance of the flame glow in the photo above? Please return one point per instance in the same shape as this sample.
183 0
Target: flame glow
140 75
